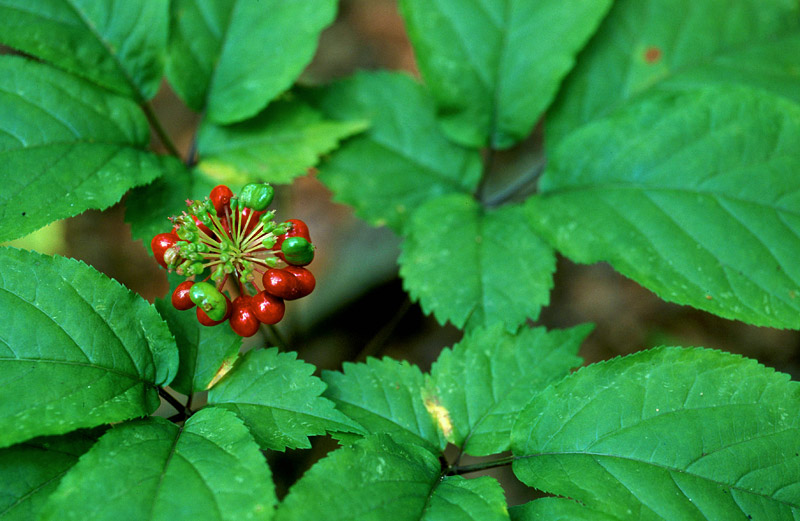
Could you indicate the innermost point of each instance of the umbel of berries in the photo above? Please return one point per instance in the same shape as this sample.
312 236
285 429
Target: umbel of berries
241 265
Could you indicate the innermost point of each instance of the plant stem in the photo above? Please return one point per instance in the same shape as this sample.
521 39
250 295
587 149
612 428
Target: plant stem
282 345
182 409
457 470
487 170
162 134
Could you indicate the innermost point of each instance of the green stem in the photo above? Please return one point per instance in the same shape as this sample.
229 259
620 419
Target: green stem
487 170
162 134
457 470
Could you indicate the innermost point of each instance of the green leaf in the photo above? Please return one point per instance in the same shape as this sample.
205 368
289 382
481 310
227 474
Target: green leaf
231 58
645 45
460 499
32 471
206 353
117 45
475 267
148 208
151 469
77 349
480 385
494 67
379 478
667 434
279 400
276 146
66 146
385 396
663 191
402 160
556 509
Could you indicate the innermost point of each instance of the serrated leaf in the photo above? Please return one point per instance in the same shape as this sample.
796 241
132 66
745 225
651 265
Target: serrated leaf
65 145
667 434
385 396
77 349
664 192
276 146
460 499
117 45
485 380
379 478
231 58
402 160
152 469
645 45
279 400
32 471
556 509
494 67
203 350
474 267
148 208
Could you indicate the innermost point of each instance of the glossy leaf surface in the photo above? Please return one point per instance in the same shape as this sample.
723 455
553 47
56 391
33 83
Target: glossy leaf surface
669 433
152 469
695 196
493 67
279 400
474 267
77 349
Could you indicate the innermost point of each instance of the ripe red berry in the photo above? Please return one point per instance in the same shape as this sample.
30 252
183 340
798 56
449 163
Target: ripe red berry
180 297
267 308
305 279
220 197
298 229
160 244
281 283
243 320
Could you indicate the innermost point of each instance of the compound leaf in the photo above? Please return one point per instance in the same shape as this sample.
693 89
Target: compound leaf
77 349
478 387
475 267
276 146
664 192
116 45
152 469
493 67
385 396
206 353
378 478
402 160
646 45
32 471
668 433
231 58
66 146
279 400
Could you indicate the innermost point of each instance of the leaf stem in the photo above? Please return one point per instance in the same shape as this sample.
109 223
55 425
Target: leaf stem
182 409
488 163
162 134
457 470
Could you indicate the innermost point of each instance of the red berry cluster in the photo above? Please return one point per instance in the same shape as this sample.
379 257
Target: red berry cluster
237 244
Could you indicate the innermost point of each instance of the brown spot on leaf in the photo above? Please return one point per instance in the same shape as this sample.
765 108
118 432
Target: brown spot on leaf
652 55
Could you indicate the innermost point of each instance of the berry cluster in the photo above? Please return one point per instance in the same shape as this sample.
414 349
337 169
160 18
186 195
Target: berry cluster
236 242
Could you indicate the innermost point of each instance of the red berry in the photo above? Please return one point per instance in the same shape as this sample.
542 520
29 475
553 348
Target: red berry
267 308
305 279
160 244
281 284
206 321
220 197
205 229
180 297
253 215
243 320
